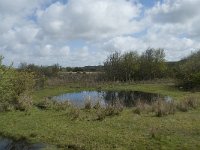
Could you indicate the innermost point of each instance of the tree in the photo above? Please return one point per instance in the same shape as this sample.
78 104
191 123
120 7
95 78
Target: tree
152 64
130 66
112 66
188 74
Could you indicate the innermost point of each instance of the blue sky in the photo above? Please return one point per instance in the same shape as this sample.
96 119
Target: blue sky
148 3
85 32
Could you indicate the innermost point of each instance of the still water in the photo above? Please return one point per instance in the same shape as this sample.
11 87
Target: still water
126 98
22 144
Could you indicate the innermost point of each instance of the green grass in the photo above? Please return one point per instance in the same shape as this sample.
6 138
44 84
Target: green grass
126 131
164 89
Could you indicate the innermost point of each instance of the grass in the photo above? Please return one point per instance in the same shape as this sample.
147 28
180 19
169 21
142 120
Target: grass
89 129
125 131
163 89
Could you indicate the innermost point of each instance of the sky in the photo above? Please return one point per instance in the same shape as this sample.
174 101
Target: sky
84 32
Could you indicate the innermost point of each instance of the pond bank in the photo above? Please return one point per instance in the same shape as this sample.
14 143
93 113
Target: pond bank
124 131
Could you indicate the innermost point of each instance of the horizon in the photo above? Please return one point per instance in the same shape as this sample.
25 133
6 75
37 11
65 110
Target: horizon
78 33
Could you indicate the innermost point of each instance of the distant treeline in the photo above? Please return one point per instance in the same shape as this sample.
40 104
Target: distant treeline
52 71
130 66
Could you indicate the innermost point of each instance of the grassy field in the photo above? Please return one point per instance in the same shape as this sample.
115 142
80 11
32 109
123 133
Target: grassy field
124 131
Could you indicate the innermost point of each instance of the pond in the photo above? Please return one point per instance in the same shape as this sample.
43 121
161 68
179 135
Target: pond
22 144
126 98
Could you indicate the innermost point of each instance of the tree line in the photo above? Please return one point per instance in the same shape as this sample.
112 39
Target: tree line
151 65
131 66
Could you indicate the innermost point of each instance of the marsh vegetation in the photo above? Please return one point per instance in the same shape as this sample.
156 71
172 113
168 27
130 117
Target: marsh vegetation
130 112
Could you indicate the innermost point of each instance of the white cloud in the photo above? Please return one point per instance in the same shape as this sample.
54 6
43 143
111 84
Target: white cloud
175 11
41 32
89 19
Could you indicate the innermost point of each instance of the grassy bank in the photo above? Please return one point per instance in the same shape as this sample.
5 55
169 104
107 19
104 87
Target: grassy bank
124 131
163 89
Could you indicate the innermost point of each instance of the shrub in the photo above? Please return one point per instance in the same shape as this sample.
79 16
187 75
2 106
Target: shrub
188 73
14 85
24 102
6 107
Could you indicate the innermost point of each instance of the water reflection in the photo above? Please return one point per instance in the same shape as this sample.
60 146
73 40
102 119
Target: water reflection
126 98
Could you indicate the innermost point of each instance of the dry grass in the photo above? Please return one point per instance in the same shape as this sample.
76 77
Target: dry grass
189 102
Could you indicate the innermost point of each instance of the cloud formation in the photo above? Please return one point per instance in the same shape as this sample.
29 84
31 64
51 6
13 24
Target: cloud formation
50 31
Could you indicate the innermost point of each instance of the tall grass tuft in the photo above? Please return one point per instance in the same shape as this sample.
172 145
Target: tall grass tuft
101 115
189 102
163 108
97 105
88 104
192 102
53 105
74 113
112 110
141 107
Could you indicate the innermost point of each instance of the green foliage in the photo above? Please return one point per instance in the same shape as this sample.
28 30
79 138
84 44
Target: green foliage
15 88
152 64
41 73
188 74
48 71
131 66
112 66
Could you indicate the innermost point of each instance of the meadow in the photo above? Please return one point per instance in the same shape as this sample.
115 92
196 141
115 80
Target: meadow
28 114
73 128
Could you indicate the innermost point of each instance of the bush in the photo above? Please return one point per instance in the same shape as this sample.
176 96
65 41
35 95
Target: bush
24 102
14 85
188 73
